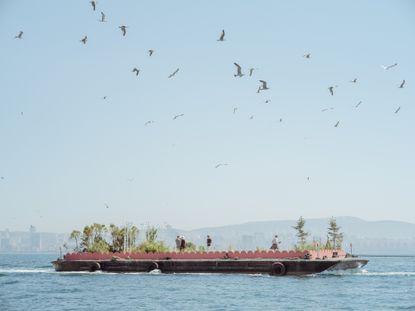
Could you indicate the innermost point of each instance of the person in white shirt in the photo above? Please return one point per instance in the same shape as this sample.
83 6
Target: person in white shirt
275 243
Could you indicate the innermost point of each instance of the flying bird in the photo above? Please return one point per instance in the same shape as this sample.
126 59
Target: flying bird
268 101
222 36
263 86
106 205
94 4
123 29
105 97
402 84
280 120
337 124
358 104
102 20
389 67
84 39
235 109
150 52
137 71
397 110
220 164
238 71
251 71
19 35
354 80
331 90
307 55
251 117
149 122
178 116
174 73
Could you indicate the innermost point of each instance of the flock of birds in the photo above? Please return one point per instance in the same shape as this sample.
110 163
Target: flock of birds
239 73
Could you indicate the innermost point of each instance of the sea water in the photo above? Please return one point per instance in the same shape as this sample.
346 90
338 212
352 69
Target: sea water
28 282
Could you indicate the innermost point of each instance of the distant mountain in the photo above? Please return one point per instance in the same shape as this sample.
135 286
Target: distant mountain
367 237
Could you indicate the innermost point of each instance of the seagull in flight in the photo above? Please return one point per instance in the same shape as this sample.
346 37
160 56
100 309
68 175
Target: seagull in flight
354 80
307 55
94 4
174 73
263 86
331 90
358 104
84 39
105 97
402 84
222 36
19 35
238 71
102 20
268 101
149 122
123 29
251 71
235 109
137 71
106 205
397 110
220 164
178 116
390 66
251 117
337 124
150 52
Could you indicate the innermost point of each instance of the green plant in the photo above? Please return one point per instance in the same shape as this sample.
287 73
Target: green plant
75 235
152 247
301 234
336 237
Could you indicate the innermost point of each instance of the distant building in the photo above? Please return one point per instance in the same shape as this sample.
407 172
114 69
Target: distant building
35 240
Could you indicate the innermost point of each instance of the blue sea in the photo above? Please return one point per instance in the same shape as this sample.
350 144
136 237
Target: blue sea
28 282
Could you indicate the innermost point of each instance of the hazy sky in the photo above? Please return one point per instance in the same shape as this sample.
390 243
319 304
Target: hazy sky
71 152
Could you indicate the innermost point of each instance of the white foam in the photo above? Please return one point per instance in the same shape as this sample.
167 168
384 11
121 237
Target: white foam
26 270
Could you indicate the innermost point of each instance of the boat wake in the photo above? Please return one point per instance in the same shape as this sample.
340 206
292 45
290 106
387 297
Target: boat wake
26 270
364 272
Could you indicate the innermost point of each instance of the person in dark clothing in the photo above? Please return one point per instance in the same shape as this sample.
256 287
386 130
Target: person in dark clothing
208 241
182 244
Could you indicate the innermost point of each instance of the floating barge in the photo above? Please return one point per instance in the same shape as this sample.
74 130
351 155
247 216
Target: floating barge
271 262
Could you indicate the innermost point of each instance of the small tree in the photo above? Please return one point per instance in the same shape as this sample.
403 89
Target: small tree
150 245
117 237
301 233
151 234
335 235
86 238
75 235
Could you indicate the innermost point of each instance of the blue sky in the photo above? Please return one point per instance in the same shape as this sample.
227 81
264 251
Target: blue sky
71 152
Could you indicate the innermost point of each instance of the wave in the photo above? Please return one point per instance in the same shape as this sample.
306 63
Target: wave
25 270
364 272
